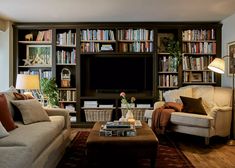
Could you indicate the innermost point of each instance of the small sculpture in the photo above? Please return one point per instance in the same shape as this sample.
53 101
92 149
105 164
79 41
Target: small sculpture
29 37
27 61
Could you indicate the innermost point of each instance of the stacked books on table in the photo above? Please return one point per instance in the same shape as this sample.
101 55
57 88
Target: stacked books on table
118 128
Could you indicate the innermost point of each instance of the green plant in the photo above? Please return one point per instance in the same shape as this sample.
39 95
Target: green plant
50 90
173 48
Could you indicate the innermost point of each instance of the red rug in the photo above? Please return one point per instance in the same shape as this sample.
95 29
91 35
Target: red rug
169 156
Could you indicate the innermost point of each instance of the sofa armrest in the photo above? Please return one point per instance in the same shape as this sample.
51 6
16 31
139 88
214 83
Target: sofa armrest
222 119
158 104
60 112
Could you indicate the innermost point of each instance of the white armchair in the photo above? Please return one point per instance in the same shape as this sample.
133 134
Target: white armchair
217 104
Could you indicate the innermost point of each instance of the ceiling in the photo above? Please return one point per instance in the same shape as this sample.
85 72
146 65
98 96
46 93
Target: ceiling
115 10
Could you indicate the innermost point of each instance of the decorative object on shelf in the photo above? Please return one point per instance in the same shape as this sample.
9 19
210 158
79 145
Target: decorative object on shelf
40 54
27 61
28 37
163 40
218 65
128 105
65 77
50 90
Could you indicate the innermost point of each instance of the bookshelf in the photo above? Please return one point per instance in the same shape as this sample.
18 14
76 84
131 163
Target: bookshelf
199 49
105 58
66 57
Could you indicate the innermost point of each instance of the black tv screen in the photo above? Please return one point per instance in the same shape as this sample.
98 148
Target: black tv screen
121 73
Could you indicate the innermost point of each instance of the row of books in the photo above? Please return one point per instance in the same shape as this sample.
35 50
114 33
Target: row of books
94 47
136 47
66 57
196 63
67 95
135 34
97 35
201 47
40 72
44 35
168 80
168 64
206 76
66 38
196 35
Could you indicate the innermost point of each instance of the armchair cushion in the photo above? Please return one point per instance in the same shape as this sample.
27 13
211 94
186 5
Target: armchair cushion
193 105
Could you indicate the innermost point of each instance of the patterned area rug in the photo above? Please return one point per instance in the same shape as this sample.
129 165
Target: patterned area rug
169 156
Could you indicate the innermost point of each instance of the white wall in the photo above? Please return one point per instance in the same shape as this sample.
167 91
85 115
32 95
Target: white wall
6 59
228 35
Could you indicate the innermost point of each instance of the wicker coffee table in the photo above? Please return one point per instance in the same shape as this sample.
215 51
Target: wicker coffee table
105 148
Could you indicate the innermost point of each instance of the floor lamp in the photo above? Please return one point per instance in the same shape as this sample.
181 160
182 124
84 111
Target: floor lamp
217 65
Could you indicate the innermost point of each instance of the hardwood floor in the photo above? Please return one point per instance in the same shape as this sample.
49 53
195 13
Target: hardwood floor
216 155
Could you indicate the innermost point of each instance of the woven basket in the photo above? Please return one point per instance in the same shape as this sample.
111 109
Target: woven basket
93 115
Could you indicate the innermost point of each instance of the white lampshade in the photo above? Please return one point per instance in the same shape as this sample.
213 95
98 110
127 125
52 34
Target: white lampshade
27 82
217 65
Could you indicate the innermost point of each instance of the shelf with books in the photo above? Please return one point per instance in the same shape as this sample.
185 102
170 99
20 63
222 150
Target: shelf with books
199 49
97 40
135 40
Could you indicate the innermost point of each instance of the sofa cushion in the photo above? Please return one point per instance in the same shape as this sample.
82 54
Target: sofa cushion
174 95
193 105
207 99
3 131
31 111
34 137
190 119
19 96
5 115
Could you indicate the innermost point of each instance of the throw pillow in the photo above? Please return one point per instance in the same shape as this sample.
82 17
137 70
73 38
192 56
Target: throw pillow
3 131
19 96
193 105
31 111
5 114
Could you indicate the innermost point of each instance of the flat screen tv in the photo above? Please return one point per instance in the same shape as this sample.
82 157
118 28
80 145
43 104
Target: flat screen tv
129 74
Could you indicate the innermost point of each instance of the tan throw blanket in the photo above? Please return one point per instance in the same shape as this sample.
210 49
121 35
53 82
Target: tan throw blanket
161 116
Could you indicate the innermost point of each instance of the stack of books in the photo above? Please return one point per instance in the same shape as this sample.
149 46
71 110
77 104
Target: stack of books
118 128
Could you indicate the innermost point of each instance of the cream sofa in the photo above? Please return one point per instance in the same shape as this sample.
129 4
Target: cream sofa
217 104
36 145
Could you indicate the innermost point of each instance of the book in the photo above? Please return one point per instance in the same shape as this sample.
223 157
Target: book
117 124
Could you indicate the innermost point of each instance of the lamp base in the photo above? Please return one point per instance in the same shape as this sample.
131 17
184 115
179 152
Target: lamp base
231 142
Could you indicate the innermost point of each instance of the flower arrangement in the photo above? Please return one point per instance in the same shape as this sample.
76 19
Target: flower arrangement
125 101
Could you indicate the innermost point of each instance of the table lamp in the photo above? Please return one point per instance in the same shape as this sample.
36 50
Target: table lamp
218 66
27 83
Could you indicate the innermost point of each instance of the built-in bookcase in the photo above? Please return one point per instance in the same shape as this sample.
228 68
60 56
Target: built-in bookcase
106 58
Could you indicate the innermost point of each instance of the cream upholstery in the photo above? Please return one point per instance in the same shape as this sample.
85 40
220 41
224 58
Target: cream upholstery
217 103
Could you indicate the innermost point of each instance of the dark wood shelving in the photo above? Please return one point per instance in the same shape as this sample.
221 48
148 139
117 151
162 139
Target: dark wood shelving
147 64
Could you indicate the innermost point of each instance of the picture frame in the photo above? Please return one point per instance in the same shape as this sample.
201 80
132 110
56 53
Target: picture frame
231 58
196 77
39 54
163 40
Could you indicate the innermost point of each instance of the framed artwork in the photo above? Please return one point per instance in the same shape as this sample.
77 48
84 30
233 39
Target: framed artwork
196 77
231 58
39 54
163 40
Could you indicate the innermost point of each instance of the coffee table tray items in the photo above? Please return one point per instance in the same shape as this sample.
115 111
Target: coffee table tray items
117 128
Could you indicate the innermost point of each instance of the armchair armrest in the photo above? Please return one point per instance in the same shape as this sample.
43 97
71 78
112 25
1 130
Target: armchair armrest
222 119
60 112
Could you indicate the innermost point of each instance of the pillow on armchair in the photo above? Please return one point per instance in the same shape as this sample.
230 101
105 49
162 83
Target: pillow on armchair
193 105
